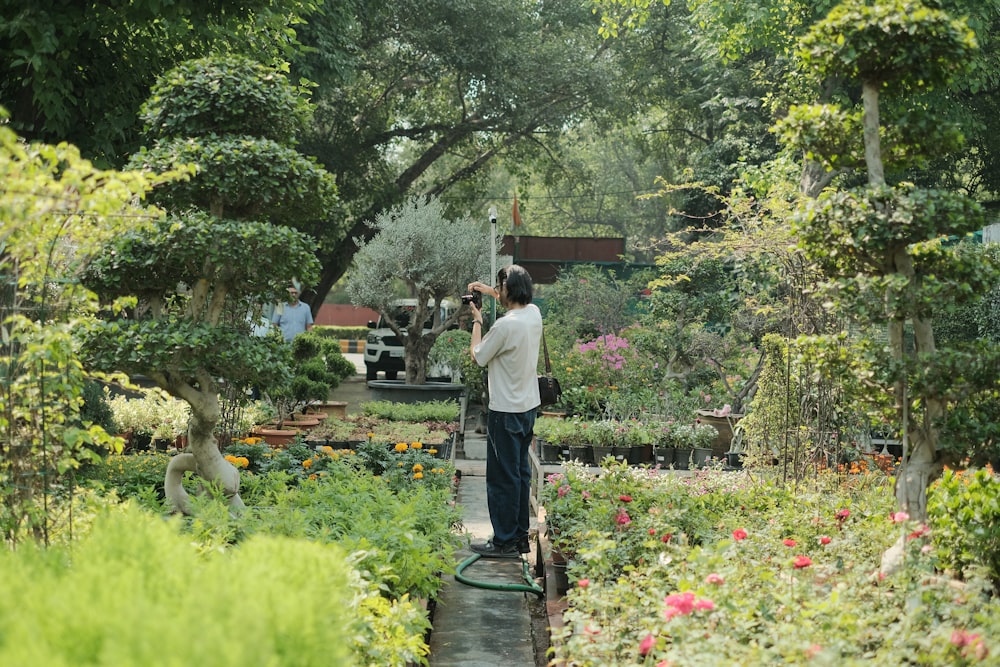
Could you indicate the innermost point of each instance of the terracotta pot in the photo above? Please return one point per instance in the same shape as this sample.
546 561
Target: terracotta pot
276 437
330 408
300 423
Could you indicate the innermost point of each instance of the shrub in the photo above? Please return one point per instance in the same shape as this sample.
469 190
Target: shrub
964 516
122 594
128 474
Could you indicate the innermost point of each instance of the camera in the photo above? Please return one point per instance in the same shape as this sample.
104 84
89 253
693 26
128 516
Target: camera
476 298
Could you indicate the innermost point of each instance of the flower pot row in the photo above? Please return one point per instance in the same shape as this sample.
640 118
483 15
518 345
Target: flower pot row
678 458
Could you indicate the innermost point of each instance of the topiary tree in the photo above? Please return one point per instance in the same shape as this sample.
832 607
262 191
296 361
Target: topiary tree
880 244
192 280
317 369
434 257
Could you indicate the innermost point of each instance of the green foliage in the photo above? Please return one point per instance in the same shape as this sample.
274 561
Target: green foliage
450 349
774 406
749 551
435 257
180 334
128 475
963 509
154 414
889 41
607 374
433 411
317 369
79 73
46 236
341 333
224 96
95 408
587 301
246 177
123 587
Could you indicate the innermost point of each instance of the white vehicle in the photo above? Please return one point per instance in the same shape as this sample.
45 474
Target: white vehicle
383 349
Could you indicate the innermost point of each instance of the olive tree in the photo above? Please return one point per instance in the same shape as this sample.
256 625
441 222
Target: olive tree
433 256
194 277
880 244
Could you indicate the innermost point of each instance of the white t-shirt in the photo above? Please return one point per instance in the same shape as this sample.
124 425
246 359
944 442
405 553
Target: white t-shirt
510 352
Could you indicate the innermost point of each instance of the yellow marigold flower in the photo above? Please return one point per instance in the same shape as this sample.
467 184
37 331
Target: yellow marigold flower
370 435
417 467
401 447
231 458
432 451
399 465
312 476
243 461
416 445
307 463
326 449
418 475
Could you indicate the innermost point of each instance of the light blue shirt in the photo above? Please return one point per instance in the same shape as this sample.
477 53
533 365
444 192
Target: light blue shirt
293 320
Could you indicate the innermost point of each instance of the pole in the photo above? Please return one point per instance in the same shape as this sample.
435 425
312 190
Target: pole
493 257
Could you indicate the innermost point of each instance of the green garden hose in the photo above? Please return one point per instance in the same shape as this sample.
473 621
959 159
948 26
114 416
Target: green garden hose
530 587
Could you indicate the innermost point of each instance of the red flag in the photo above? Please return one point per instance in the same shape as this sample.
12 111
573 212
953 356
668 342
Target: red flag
517 213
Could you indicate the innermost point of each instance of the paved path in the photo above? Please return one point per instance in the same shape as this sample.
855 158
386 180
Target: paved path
473 627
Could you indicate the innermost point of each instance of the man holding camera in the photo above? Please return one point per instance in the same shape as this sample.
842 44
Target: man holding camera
510 353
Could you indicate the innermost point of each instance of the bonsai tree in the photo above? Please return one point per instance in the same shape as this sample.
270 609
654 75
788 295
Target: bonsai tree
192 278
317 369
880 243
434 257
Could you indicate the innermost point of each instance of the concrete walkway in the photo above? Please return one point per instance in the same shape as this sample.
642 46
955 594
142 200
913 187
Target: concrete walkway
473 627
476 627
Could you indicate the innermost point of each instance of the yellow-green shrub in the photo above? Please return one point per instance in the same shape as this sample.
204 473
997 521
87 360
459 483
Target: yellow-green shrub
135 591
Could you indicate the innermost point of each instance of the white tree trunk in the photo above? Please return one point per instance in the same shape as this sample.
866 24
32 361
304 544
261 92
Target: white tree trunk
203 456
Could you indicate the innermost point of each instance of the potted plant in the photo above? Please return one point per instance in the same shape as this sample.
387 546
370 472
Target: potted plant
317 369
447 354
604 435
702 437
431 257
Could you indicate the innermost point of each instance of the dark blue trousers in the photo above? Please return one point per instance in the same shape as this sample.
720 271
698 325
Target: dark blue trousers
508 474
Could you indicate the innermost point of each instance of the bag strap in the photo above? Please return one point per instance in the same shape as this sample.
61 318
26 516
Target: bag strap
545 348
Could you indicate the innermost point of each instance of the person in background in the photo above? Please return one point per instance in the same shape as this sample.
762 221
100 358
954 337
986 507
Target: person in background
294 318
510 353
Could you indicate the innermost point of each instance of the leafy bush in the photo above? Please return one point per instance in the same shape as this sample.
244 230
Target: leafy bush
963 510
128 474
95 407
450 349
121 594
720 569
434 411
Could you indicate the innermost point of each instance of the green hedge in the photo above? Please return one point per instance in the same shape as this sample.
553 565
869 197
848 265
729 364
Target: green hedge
343 333
136 591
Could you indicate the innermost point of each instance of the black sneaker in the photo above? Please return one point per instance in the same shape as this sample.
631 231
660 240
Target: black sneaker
490 550
523 545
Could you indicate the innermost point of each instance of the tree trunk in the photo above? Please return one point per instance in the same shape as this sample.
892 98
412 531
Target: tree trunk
873 150
203 457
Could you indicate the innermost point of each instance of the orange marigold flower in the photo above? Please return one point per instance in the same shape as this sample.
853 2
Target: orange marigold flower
417 467
307 463
416 445
401 447
418 475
